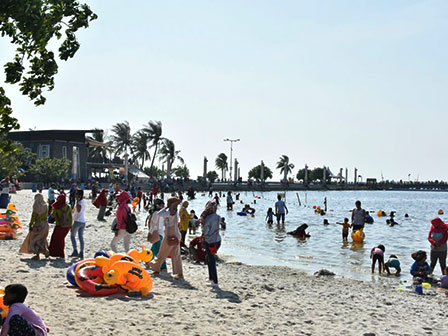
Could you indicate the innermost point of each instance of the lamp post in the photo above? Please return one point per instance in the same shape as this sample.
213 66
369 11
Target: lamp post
231 150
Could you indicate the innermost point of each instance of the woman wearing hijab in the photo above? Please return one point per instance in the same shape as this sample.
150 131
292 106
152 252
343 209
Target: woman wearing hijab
122 218
211 239
36 240
184 217
62 213
101 202
170 242
438 236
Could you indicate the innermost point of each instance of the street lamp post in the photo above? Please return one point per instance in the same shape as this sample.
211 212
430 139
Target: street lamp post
231 150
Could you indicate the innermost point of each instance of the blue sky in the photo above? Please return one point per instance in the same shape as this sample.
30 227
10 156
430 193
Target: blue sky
337 83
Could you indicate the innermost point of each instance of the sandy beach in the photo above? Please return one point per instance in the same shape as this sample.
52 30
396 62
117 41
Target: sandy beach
251 300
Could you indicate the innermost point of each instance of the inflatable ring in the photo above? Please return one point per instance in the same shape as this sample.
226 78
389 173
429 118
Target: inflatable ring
71 274
81 265
3 308
106 263
101 253
129 276
90 279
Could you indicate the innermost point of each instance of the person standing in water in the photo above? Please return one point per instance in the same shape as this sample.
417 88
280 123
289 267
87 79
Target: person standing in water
358 217
280 208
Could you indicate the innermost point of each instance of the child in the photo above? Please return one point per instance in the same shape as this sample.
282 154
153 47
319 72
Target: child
223 223
300 232
193 221
394 263
345 228
420 268
270 216
21 320
326 222
377 253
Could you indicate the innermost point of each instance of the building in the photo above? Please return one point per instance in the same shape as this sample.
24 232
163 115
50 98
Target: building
68 144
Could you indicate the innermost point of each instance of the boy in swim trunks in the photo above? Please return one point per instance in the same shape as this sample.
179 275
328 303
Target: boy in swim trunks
345 228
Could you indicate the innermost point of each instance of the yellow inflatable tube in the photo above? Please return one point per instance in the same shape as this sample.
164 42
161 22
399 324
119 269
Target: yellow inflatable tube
358 236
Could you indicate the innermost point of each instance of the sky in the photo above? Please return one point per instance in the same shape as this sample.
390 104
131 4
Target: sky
337 83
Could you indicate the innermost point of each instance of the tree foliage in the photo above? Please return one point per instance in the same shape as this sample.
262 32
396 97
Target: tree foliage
256 173
221 163
154 171
212 176
283 163
301 174
169 153
17 157
50 170
31 25
154 133
182 171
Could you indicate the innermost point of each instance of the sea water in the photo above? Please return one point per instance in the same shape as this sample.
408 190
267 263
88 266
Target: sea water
252 241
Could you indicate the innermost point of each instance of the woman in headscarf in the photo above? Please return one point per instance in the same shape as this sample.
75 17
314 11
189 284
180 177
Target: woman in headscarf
211 239
122 218
184 217
170 242
101 202
36 240
62 213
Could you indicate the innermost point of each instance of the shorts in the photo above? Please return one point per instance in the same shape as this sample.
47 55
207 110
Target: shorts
270 221
280 217
344 234
357 227
378 257
441 256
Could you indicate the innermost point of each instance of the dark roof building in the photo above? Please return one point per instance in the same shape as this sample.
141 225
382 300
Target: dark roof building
68 144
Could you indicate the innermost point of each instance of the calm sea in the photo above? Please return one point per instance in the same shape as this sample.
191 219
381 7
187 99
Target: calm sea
250 240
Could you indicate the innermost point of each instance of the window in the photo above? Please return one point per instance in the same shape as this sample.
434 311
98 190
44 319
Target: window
44 151
64 152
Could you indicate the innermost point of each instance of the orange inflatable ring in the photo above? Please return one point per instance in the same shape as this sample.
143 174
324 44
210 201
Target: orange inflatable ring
81 265
3 309
90 279
129 276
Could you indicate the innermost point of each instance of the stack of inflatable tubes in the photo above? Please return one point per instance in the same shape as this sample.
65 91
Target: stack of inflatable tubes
108 272
9 223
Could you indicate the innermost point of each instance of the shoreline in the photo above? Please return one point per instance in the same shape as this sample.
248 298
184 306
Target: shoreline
252 300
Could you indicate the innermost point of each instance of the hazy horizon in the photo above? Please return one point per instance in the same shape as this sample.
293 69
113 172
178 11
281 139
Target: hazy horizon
341 84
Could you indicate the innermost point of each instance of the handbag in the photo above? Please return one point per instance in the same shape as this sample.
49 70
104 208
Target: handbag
172 241
153 237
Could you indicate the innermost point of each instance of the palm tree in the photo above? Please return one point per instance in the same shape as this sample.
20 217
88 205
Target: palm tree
139 147
221 163
154 132
284 166
97 152
122 141
170 154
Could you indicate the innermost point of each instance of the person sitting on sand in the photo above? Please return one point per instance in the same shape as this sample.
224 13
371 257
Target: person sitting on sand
21 320
36 240
420 268
300 232
393 262
377 253
345 228
197 249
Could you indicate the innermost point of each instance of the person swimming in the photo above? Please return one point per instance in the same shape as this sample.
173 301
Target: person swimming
300 232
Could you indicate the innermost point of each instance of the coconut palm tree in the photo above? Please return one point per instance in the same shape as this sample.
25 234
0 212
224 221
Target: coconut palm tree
154 132
169 153
97 152
139 147
122 141
284 166
221 163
